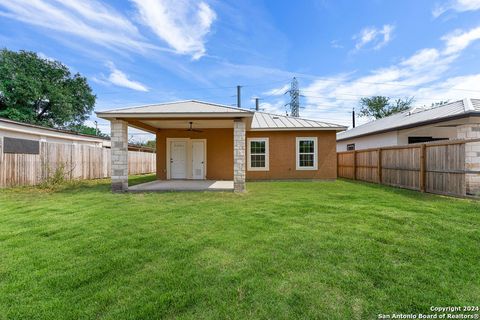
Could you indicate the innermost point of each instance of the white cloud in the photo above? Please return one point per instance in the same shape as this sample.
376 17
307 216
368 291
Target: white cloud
456 5
422 75
120 79
90 20
459 40
377 37
183 25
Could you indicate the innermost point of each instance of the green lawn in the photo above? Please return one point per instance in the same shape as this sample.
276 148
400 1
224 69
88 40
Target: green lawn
284 250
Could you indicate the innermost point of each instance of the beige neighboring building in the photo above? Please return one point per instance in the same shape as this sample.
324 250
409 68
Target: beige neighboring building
452 121
20 134
446 122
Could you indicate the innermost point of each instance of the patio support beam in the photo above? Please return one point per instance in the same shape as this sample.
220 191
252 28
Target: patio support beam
119 140
239 155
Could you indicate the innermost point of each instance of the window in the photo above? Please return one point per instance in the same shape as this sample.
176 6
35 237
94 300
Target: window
307 153
258 159
423 139
351 147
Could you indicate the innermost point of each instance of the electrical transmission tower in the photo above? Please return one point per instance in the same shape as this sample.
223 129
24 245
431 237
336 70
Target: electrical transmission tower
294 98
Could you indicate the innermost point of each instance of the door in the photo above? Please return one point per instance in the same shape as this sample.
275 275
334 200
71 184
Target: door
178 160
198 159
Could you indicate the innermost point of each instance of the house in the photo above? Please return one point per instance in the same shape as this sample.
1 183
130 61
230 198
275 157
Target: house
18 136
455 120
207 141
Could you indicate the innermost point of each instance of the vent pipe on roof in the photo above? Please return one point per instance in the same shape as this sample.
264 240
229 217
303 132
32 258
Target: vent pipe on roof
239 102
353 118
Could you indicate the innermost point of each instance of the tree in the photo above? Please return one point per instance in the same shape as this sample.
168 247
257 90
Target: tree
381 107
41 91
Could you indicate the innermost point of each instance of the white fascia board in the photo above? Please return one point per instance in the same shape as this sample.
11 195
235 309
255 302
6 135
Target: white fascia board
300 129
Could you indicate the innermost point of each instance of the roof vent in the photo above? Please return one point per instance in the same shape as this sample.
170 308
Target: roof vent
416 110
467 105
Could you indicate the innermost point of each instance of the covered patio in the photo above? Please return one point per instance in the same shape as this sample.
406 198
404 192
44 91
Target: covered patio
200 146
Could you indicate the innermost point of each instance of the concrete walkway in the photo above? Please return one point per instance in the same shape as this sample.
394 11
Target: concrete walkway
183 185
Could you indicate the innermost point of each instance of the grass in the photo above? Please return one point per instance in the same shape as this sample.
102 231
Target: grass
284 250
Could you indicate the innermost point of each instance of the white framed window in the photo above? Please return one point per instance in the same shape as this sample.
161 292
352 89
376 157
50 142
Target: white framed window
307 153
257 154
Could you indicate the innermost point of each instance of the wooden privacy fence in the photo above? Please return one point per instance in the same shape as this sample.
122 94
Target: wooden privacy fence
76 161
437 167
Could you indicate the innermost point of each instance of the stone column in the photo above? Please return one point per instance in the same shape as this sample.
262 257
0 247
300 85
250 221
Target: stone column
119 155
239 155
472 156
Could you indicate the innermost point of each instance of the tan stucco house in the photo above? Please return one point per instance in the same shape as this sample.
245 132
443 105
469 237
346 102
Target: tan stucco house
208 141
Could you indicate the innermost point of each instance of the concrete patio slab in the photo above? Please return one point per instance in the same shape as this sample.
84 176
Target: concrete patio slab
183 185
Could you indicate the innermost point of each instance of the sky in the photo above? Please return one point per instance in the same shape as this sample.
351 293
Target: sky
136 52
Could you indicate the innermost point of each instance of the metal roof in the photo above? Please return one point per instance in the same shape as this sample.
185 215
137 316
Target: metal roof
415 116
184 109
268 121
175 108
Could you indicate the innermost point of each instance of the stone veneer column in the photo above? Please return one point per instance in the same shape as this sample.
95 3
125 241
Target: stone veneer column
119 155
239 155
472 156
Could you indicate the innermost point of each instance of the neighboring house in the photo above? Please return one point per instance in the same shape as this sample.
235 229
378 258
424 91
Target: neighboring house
201 140
17 135
446 122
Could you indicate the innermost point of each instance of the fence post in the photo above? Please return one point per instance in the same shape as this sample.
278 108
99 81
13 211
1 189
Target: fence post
422 167
355 165
379 165
338 166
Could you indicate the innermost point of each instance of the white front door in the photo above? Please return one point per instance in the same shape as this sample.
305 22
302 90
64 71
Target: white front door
198 159
178 159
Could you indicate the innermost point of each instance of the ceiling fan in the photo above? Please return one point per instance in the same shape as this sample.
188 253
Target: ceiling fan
190 128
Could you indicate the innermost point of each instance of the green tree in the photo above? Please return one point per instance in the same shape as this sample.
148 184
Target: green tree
151 144
41 91
381 107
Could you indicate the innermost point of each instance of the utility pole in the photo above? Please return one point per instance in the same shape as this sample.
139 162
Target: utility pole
239 102
353 117
294 98
96 127
257 105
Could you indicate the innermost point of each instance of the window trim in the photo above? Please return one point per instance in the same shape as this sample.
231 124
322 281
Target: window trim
315 153
267 155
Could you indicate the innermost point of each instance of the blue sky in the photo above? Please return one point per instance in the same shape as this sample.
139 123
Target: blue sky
147 51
